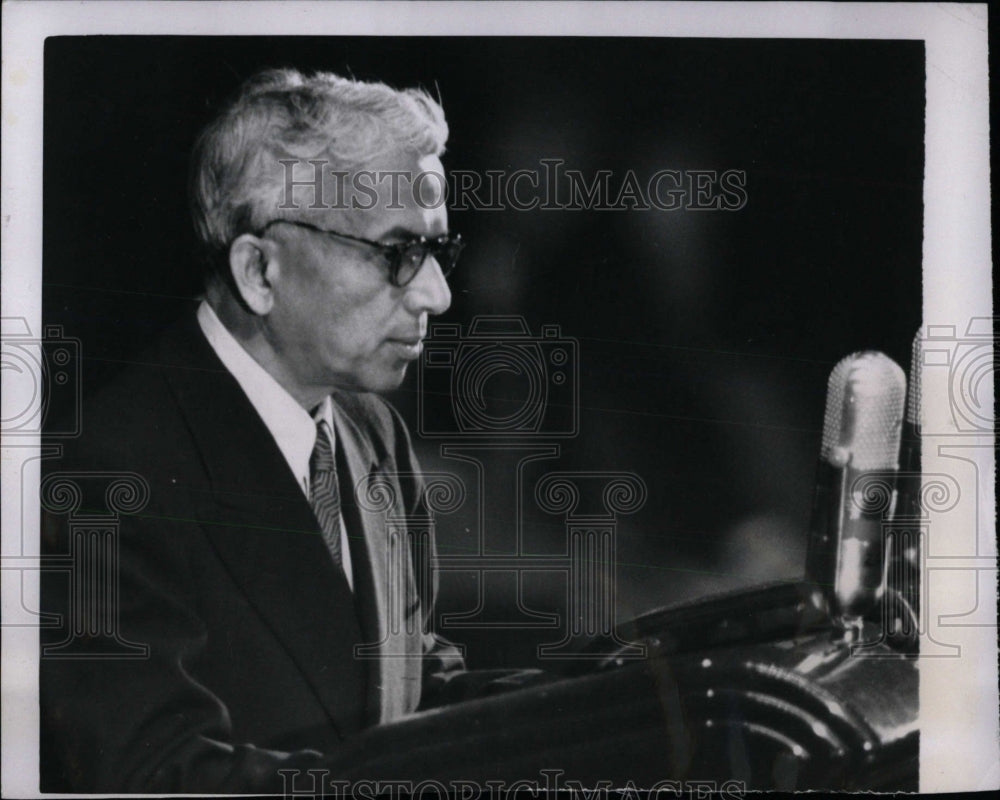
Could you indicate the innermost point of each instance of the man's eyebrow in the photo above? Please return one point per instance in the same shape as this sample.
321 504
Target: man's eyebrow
401 232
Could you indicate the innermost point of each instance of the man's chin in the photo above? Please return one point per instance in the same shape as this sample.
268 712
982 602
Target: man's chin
386 380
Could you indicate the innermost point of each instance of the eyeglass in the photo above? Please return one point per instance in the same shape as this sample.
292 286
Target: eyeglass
404 258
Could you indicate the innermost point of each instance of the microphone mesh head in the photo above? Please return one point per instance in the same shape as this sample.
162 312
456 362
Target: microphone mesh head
913 398
835 409
864 412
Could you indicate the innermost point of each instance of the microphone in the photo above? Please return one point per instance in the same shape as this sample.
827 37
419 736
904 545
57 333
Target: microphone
855 488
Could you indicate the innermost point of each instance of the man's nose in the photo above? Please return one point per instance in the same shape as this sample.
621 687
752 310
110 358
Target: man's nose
428 291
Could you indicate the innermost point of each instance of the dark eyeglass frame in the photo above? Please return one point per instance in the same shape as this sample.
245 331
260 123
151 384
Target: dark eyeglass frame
445 249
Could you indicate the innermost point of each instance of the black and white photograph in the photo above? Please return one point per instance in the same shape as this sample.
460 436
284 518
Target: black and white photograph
482 398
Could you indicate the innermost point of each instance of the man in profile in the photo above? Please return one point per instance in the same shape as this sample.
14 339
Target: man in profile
253 588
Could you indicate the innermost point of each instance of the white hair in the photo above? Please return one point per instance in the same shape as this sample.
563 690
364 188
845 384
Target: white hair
236 177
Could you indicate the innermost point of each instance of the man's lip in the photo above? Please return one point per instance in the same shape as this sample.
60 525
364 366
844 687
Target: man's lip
408 349
411 341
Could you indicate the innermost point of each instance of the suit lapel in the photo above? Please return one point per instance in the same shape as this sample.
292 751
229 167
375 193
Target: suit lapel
263 528
370 551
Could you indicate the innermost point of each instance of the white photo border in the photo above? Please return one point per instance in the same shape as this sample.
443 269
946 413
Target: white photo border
958 696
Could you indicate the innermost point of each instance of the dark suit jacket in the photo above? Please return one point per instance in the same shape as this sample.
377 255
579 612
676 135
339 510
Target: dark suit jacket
251 665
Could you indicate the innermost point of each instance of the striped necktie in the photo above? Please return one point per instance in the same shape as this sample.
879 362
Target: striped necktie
324 494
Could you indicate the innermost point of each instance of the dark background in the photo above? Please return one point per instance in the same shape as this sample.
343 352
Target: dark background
706 338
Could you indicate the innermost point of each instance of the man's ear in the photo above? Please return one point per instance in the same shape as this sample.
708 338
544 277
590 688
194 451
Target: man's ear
250 262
